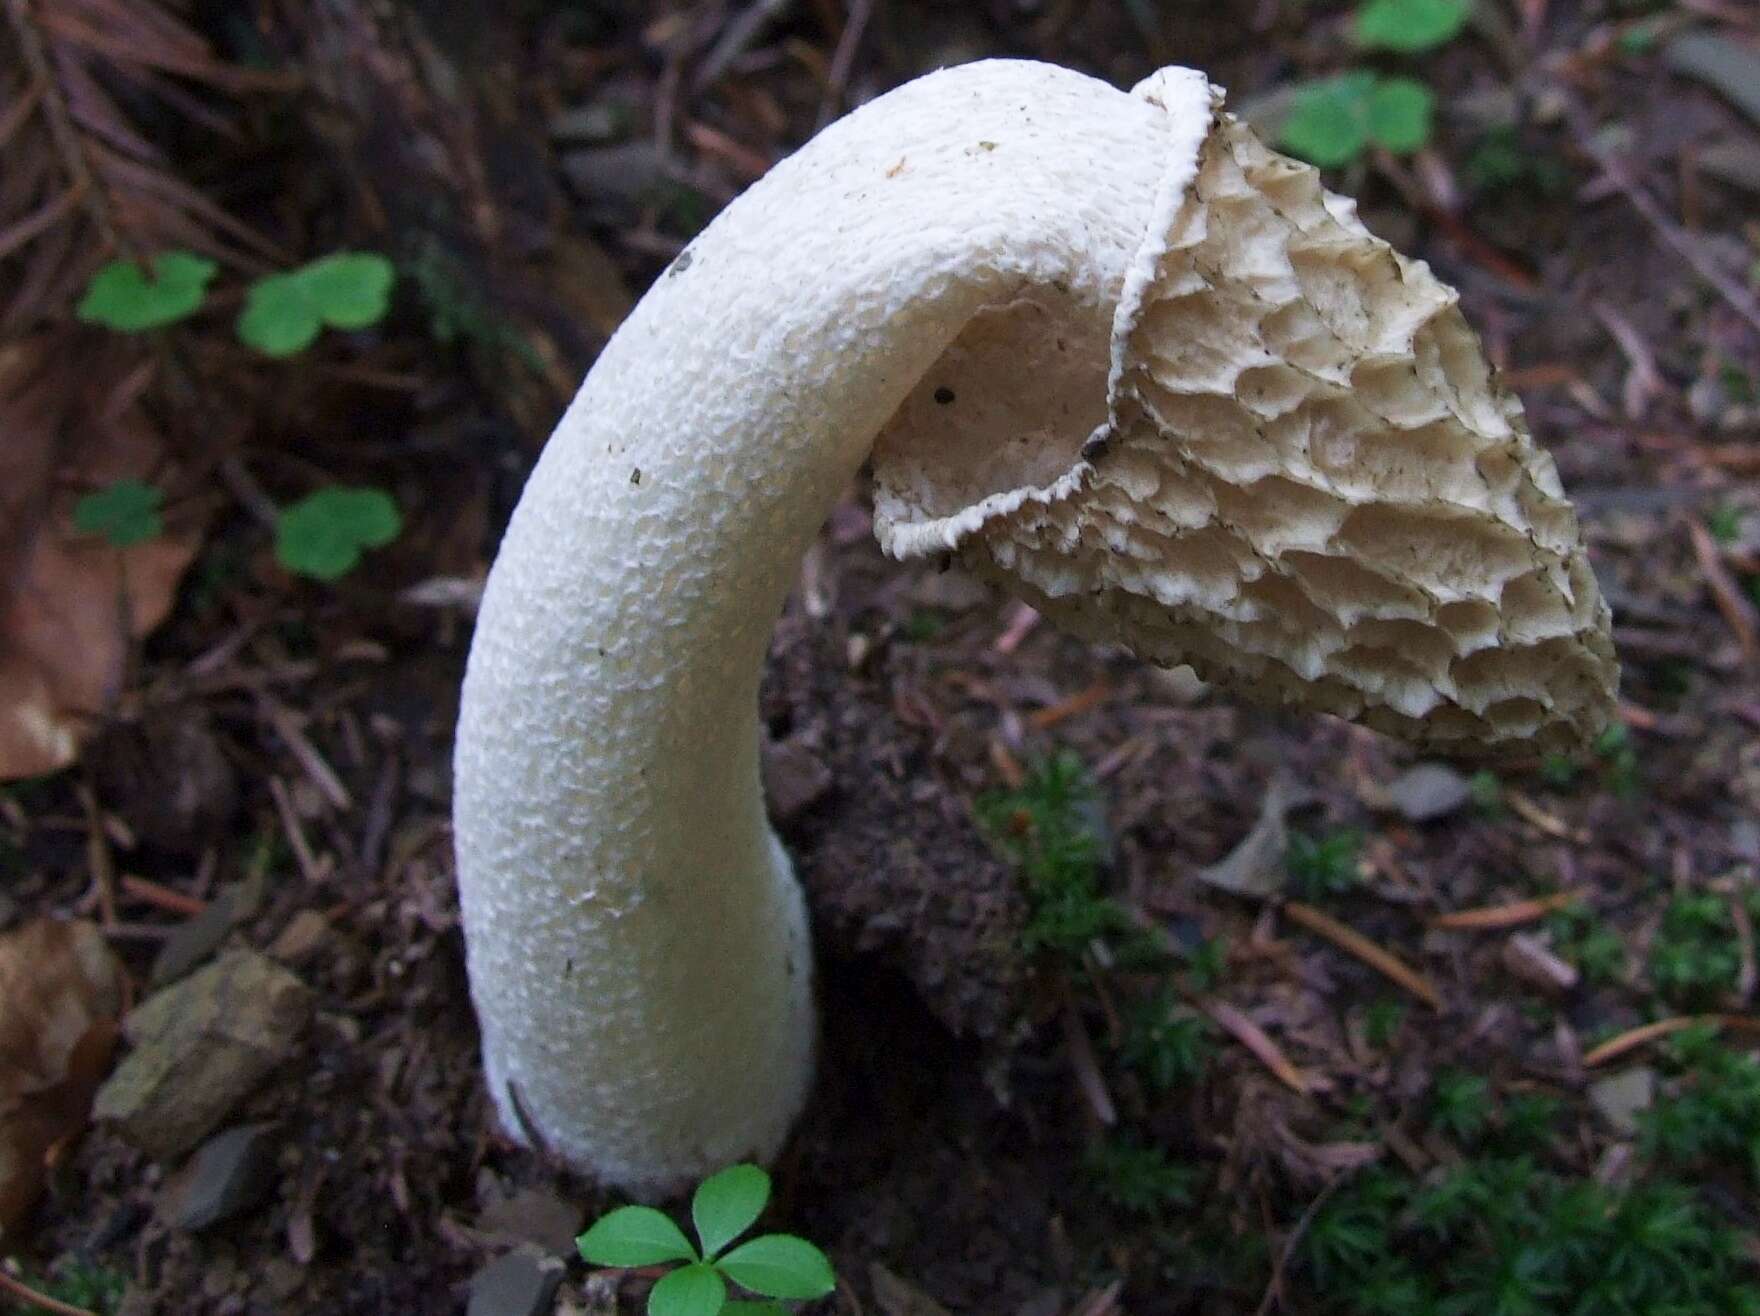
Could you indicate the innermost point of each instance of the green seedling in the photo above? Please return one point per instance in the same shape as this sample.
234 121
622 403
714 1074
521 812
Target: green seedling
1205 963
1410 26
1528 1119
284 313
1461 1104
1324 866
1619 761
1333 121
923 624
1501 162
1381 1022
1166 1042
1503 1236
1724 522
1558 771
1588 942
1048 828
125 513
324 534
1139 1179
726 1205
124 297
1695 957
1710 1116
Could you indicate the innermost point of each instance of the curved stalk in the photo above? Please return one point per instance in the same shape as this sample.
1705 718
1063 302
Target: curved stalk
637 944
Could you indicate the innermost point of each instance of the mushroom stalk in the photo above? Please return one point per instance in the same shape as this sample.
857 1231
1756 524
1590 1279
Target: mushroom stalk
637 942
1103 345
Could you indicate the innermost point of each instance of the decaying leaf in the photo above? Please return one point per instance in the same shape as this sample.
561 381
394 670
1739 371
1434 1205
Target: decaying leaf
72 603
1255 866
61 991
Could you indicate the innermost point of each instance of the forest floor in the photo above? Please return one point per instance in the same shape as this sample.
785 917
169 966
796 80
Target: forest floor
1412 1068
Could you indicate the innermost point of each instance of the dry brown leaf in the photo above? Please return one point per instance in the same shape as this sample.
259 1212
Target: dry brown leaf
71 604
61 992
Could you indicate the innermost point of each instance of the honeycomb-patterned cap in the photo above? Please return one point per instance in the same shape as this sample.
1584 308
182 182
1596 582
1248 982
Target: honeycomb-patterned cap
1306 483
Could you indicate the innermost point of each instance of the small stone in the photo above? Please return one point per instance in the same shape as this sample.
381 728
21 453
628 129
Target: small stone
1619 1097
228 1175
537 1217
1428 791
795 778
1531 960
200 1047
522 1283
305 932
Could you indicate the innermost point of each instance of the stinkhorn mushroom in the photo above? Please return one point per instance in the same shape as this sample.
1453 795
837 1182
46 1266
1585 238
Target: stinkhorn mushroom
1105 348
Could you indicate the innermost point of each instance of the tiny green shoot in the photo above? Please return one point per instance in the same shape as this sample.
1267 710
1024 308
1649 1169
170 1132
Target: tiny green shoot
725 1205
1410 26
124 297
284 313
125 513
324 534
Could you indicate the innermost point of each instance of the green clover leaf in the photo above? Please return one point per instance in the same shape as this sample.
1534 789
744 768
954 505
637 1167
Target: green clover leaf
693 1290
284 313
123 297
1331 122
324 534
727 1203
1399 111
635 1236
1328 122
779 1266
1409 26
126 513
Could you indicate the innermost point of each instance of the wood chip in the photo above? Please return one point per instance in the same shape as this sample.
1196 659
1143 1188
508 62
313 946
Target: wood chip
1256 1040
1530 960
162 897
1384 962
1530 812
1738 614
1511 915
1644 1034
1087 1068
1082 702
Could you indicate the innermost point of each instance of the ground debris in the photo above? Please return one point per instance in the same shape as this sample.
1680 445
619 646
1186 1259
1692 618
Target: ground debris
200 1047
61 991
522 1282
229 1174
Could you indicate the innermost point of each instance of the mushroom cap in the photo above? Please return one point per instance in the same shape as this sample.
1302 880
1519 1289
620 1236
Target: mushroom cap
1302 478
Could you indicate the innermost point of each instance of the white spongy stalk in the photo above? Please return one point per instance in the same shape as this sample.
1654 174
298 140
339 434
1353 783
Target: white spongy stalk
637 948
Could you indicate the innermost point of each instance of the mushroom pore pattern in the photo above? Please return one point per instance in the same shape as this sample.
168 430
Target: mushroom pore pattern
1108 349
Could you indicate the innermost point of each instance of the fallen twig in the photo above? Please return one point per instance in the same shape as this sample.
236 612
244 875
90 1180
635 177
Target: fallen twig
1384 962
25 1293
1081 702
1087 1068
1512 915
1633 1038
1737 612
1259 1042
162 897
1274 1289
